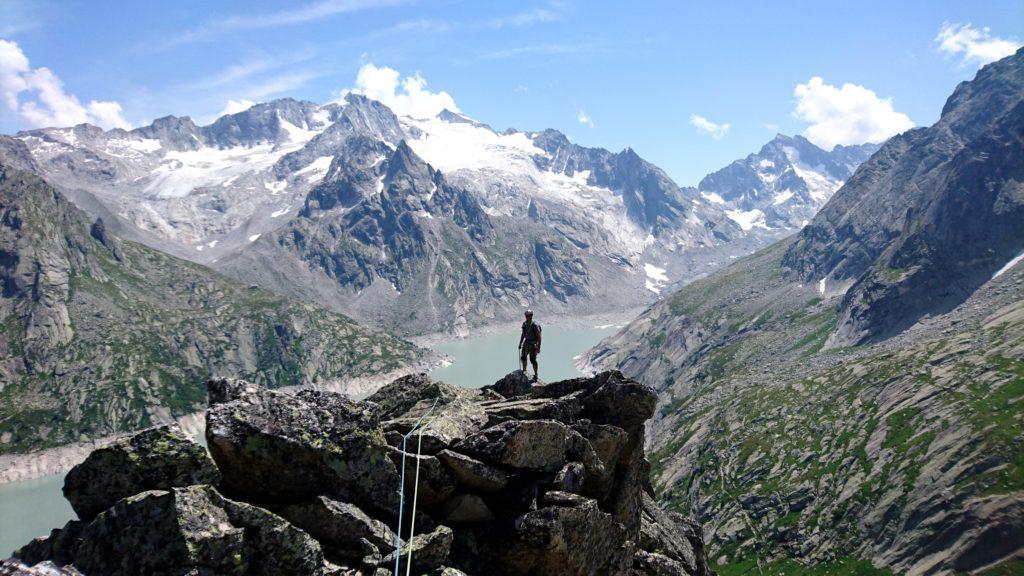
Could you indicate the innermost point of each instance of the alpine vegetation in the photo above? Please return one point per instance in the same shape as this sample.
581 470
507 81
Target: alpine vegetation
852 393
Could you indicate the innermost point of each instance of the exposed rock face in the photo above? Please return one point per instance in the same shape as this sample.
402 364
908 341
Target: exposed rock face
276 447
310 487
344 529
928 219
101 336
902 451
155 459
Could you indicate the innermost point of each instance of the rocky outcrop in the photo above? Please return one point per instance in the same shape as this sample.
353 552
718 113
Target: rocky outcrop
308 483
155 459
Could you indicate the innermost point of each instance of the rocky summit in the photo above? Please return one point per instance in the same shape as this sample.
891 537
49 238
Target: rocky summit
515 478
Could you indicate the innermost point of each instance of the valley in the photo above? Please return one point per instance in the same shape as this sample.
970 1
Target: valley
853 391
782 315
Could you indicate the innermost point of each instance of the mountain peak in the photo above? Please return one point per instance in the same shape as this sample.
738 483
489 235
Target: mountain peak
405 161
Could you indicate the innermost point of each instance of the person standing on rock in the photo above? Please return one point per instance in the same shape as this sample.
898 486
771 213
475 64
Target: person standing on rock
529 343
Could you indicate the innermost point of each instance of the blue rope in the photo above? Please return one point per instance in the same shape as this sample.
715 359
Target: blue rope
401 488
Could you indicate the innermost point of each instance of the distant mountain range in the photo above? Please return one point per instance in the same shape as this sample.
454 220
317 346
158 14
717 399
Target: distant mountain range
335 204
784 184
852 394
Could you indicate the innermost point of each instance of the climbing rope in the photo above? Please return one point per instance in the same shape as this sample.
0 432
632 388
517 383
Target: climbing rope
415 495
401 491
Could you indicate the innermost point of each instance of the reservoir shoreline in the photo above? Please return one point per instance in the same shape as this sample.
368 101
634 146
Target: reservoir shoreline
60 459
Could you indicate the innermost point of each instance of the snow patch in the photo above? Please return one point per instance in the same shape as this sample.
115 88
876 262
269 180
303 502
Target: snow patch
1009 265
295 133
276 187
656 278
712 197
747 219
819 185
782 197
316 167
821 286
181 172
254 237
457 146
128 148
280 212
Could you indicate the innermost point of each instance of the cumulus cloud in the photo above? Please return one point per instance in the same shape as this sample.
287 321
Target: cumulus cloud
406 96
850 114
38 98
585 118
236 106
716 131
975 45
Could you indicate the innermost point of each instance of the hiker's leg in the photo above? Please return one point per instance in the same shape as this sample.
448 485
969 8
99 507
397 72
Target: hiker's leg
533 360
522 357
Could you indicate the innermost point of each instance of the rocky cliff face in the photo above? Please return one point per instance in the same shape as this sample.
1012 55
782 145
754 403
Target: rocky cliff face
929 218
902 452
550 479
102 335
402 247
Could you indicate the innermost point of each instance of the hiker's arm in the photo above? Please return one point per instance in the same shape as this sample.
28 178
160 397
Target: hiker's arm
522 336
540 336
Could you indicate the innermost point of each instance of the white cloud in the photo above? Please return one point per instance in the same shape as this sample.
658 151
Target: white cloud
716 131
977 45
37 95
301 15
850 114
584 118
405 96
236 106
525 18
536 50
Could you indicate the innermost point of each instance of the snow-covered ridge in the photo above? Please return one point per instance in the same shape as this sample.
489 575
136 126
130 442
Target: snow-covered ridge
186 186
490 159
206 192
788 181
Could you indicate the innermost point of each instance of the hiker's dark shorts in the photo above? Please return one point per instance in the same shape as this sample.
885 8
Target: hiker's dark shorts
529 348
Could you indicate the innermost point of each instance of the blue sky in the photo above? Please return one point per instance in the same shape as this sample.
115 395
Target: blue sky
661 77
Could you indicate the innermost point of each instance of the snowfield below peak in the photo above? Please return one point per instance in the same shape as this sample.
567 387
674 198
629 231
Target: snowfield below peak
451 146
747 219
